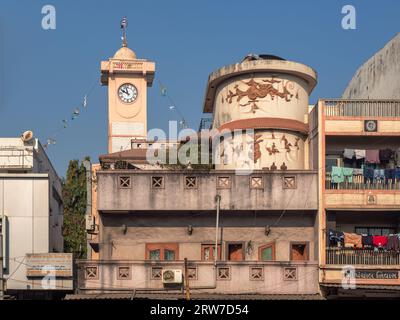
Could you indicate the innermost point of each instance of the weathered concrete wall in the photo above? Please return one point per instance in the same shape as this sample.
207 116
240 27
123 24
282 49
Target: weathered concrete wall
147 227
273 281
175 196
378 78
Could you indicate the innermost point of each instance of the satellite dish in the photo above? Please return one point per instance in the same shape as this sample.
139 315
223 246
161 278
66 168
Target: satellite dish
27 136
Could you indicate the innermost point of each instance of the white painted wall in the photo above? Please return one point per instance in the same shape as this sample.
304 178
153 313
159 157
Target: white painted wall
30 198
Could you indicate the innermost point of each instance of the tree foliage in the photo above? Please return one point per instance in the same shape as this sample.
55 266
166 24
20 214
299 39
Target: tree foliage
74 196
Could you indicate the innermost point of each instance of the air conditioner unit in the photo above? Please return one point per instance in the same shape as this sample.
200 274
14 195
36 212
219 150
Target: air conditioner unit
172 276
90 223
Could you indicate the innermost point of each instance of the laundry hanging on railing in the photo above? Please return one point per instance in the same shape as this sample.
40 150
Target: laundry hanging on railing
362 241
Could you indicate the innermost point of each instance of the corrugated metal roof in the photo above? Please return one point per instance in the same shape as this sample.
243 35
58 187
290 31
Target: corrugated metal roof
204 296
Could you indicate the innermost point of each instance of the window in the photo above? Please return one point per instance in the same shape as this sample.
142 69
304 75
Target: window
375 231
124 273
332 161
289 182
299 251
223 273
162 251
207 252
256 273
169 255
290 274
235 251
267 252
92 272
190 182
256 183
157 182
223 182
155 254
124 182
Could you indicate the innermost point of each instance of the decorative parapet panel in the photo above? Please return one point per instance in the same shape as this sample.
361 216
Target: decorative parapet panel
195 190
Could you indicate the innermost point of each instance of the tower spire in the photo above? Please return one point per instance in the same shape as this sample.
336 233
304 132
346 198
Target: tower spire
124 25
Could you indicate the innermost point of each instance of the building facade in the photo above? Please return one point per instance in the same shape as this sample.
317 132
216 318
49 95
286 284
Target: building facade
31 211
151 218
299 216
359 196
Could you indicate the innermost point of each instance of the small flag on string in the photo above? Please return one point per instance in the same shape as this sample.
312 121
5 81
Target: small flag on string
124 23
84 103
163 91
65 123
172 108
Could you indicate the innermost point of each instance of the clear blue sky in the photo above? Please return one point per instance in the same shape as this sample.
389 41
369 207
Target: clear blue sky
45 74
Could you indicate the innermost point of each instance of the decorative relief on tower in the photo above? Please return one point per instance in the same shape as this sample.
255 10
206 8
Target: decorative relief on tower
259 91
257 149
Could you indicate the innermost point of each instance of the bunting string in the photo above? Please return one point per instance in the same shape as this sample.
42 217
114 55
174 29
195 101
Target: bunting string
172 106
75 113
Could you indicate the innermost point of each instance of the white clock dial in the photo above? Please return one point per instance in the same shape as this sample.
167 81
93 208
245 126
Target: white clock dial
127 93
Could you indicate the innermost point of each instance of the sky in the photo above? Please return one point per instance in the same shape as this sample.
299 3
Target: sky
44 74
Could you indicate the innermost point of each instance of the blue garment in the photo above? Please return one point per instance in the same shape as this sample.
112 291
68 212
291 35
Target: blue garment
397 173
389 173
368 174
379 174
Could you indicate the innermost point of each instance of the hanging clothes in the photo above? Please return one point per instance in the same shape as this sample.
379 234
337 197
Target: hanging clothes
393 243
352 240
367 241
348 153
358 171
336 238
380 241
385 155
360 154
337 175
348 172
379 174
389 174
397 173
397 157
368 174
372 156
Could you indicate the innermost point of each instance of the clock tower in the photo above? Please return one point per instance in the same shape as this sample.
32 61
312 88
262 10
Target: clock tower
127 78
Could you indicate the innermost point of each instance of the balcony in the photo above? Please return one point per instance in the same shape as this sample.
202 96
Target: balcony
250 277
360 183
345 256
361 108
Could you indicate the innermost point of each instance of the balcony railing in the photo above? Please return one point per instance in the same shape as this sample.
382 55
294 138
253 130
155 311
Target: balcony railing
344 256
359 182
362 108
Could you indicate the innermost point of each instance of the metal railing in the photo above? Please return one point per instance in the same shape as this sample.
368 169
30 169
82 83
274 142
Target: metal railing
349 256
359 182
361 108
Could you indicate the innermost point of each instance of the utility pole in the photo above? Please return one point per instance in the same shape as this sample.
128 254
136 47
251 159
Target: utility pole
88 169
218 200
187 289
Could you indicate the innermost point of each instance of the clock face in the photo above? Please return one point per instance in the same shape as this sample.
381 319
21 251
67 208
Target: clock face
127 93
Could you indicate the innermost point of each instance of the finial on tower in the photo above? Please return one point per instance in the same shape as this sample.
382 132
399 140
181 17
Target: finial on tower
124 25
